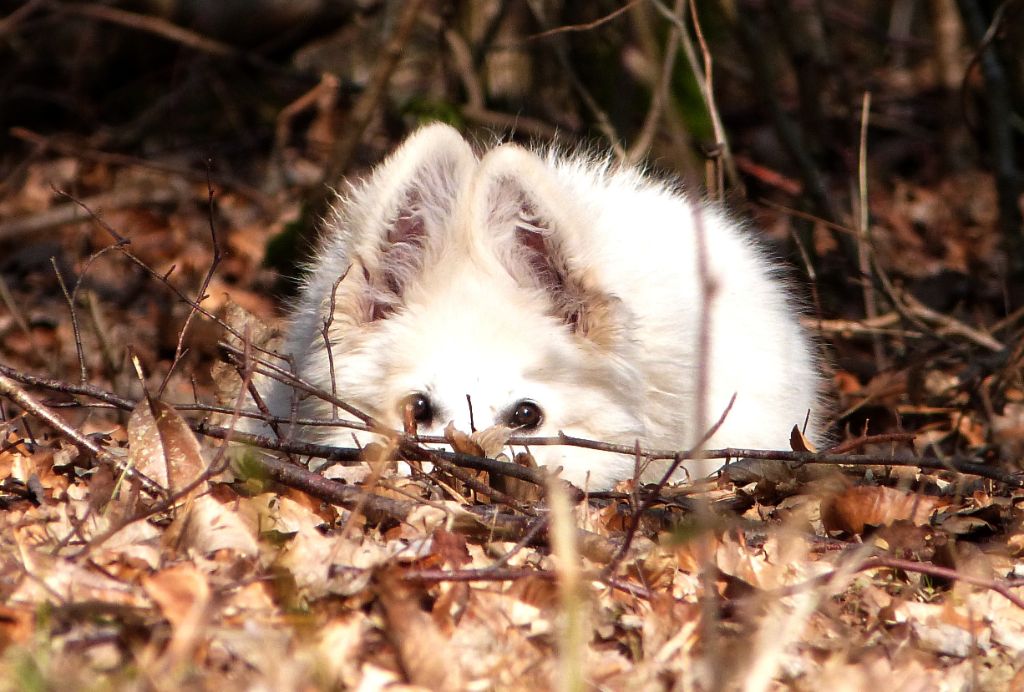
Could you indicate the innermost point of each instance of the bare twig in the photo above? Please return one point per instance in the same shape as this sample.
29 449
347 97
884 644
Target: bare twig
601 119
649 500
326 332
708 286
887 562
950 325
703 73
68 148
883 324
122 243
531 475
218 255
153 25
922 316
366 105
863 440
278 373
586 26
64 214
531 535
11 21
864 249
468 480
19 396
660 93
484 520
82 372
998 126
475 108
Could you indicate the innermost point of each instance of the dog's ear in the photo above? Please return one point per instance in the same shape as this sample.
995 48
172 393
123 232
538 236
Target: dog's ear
387 224
539 233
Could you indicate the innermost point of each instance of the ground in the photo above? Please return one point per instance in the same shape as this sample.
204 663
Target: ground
159 180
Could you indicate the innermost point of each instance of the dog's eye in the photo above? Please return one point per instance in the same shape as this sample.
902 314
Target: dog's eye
526 415
422 408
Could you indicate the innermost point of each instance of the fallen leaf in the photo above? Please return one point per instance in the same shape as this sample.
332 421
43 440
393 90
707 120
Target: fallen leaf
164 449
416 637
209 526
461 442
181 592
798 442
492 440
860 506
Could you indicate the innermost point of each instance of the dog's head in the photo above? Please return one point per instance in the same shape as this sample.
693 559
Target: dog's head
466 295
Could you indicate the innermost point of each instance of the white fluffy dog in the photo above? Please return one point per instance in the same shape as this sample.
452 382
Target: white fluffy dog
546 293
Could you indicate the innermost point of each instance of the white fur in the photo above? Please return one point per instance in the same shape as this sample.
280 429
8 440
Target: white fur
604 337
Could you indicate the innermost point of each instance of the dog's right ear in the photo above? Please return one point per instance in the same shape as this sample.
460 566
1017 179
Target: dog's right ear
389 222
533 223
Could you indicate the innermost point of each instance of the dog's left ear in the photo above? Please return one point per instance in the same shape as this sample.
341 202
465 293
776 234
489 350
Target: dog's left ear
393 220
531 221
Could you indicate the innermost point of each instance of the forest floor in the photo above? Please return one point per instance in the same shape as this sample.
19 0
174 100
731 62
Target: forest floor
137 551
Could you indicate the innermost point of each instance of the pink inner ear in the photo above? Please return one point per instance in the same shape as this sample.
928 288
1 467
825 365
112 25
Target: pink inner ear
408 225
534 250
401 257
547 269
406 228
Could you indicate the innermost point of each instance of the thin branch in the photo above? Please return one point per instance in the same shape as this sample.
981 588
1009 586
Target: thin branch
950 325
326 332
153 25
82 372
864 248
474 484
218 256
863 440
650 499
67 148
475 109
659 95
27 402
364 108
887 562
586 26
62 215
702 71
484 464
601 119
121 243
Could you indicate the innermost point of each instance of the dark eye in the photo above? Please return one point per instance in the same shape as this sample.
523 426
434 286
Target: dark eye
422 408
526 415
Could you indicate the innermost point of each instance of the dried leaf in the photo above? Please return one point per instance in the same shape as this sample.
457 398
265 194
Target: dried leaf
492 440
416 637
450 548
860 506
524 491
282 514
209 526
163 448
339 643
461 442
798 442
49 579
963 525
181 592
